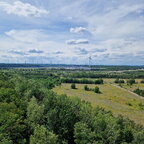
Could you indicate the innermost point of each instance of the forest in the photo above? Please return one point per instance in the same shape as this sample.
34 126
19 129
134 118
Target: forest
31 113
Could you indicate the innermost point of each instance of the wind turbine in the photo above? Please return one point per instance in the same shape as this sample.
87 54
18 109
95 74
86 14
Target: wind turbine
90 59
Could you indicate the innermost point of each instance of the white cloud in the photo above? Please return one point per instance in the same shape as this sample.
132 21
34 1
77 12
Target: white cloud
31 43
35 51
17 52
120 21
109 25
78 30
22 9
75 42
29 36
121 47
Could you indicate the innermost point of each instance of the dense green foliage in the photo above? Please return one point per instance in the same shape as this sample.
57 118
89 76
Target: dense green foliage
86 88
139 92
82 81
131 81
73 86
119 81
30 113
97 90
104 74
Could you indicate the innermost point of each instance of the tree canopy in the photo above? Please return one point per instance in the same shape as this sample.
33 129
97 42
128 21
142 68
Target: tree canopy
31 113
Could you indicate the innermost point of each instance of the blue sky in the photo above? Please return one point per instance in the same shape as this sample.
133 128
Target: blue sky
111 32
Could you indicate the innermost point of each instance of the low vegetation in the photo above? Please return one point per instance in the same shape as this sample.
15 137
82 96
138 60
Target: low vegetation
119 81
131 81
111 98
96 89
73 86
139 92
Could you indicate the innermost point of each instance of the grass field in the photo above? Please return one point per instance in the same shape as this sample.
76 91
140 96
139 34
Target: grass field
129 87
117 100
133 87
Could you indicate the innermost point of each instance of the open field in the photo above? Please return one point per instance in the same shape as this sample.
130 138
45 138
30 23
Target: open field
128 87
119 101
138 84
133 87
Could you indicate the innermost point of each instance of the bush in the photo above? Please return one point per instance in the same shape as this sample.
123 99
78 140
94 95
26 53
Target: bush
86 88
131 81
119 81
139 92
142 81
141 106
73 86
96 90
99 81
128 103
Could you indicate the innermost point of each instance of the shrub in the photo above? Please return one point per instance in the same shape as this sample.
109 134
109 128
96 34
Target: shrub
139 92
86 88
99 81
73 86
141 106
119 81
128 103
96 90
131 81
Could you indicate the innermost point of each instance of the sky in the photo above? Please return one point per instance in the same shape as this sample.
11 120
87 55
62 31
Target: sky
109 32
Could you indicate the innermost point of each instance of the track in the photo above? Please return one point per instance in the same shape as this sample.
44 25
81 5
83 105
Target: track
128 91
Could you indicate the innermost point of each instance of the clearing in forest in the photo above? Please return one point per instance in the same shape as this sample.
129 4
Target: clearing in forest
112 98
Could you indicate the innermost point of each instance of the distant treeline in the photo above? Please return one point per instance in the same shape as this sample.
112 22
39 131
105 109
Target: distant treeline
72 67
82 81
122 75
116 68
19 65
44 71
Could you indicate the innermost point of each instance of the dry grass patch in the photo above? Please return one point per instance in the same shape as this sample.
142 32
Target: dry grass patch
112 98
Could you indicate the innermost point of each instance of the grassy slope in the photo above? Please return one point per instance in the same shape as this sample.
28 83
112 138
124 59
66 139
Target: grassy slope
134 86
112 98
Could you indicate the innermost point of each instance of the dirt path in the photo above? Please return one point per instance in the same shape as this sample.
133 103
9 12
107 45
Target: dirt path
128 91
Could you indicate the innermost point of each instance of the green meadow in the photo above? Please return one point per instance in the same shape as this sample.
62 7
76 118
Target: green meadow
119 101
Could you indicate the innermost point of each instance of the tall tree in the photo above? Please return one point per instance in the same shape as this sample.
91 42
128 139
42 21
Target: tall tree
34 112
42 136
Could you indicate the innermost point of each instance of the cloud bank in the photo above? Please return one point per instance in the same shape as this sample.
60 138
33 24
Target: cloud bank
65 31
22 9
